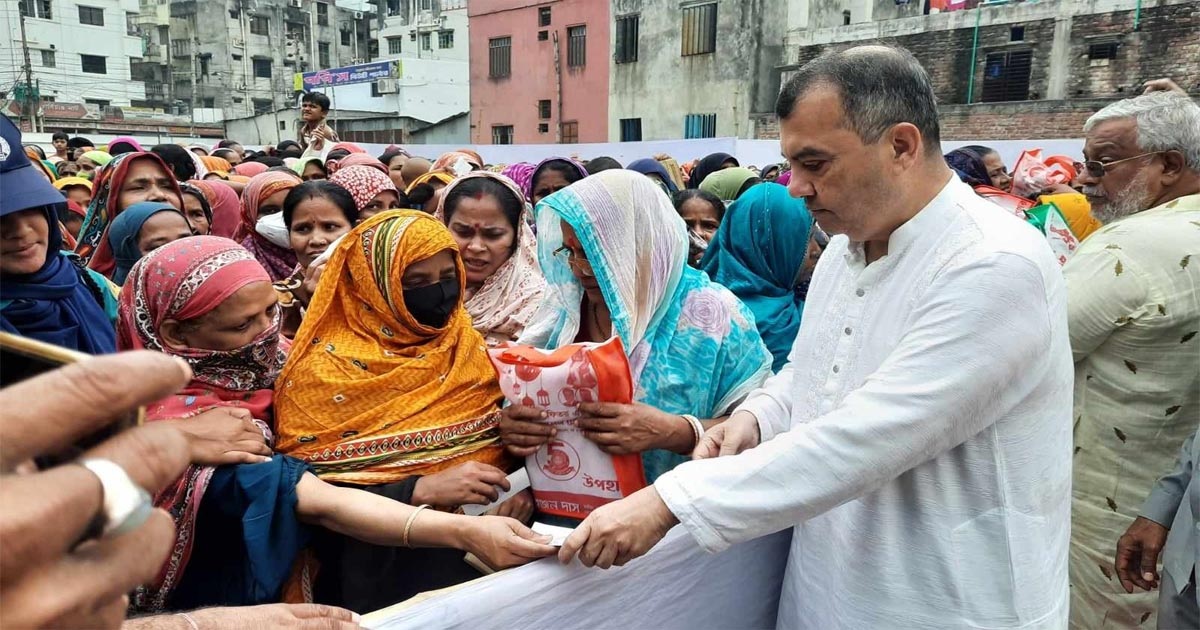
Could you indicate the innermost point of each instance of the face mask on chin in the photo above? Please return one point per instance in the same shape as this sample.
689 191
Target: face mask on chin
272 228
432 305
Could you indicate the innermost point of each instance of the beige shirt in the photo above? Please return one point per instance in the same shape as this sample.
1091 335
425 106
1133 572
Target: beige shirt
1134 319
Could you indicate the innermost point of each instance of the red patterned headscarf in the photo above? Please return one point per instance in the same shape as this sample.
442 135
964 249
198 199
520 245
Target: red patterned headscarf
363 182
226 207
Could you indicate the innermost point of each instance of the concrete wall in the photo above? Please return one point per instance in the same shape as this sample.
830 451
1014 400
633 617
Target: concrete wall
405 18
64 35
662 87
514 100
429 90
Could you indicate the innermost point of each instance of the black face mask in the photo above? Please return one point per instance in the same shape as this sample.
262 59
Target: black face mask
432 305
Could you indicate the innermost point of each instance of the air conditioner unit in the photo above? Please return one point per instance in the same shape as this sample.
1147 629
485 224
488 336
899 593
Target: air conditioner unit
388 86
296 3
358 15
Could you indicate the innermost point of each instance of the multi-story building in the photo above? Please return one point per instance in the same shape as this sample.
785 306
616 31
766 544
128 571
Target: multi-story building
425 29
539 71
1012 70
79 52
239 57
693 69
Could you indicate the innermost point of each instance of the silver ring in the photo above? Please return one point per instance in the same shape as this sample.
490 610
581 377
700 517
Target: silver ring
126 505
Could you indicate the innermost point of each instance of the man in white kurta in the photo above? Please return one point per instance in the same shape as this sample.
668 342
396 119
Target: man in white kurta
919 439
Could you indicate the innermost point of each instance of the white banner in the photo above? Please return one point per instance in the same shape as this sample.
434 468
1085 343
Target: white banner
676 585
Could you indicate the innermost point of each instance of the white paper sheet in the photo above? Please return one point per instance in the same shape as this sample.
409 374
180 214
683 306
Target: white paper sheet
558 535
517 481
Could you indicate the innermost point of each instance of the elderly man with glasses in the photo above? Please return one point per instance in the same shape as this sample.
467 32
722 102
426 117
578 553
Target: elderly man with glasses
1134 315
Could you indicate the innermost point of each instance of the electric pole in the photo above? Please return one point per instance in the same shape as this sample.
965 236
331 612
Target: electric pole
30 108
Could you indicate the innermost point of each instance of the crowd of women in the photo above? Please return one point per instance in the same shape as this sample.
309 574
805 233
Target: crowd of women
336 309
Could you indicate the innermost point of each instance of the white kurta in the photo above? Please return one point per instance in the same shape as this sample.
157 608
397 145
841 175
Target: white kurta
919 439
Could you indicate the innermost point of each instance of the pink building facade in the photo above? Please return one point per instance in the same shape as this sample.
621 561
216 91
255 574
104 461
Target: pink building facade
539 71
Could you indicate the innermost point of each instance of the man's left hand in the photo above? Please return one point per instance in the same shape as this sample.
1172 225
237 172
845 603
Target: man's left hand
619 532
629 429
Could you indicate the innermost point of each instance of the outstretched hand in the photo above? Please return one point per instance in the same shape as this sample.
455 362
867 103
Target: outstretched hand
618 532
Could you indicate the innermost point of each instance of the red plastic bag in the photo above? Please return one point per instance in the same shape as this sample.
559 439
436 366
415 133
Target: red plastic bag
570 475
1032 175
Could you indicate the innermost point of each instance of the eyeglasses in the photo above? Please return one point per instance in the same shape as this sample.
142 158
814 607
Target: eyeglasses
576 262
1097 169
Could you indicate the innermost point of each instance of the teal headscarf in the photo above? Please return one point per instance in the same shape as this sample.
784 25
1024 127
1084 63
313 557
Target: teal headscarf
124 231
757 253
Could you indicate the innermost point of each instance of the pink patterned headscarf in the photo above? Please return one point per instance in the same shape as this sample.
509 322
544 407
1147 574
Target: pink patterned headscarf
364 183
355 159
278 261
520 173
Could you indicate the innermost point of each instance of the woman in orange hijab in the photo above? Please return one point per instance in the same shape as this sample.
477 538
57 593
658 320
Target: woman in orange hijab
388 387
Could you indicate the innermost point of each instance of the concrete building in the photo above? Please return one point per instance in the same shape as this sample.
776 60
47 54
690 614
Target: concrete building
425 29
693 69
80 52
539 71
1018 70
242 55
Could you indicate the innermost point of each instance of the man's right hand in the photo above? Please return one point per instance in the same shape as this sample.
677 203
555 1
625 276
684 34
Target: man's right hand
1137 554
469 483
737 434
523 429
224 435
1161 85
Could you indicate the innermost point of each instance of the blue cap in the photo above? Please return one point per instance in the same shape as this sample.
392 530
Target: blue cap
21 185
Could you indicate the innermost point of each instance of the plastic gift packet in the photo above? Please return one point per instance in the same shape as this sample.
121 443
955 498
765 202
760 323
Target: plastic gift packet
1032 175
570 475
1012 203
1049 221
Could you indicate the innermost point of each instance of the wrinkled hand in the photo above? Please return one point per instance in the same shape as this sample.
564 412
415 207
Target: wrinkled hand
305 616
523 430
519 507
1137 554
627 429
312 277
224 435
48 580
503 542
620 531
738 433
471 482
1162 85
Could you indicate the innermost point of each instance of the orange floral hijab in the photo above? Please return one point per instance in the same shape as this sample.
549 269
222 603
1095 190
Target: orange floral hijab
371 396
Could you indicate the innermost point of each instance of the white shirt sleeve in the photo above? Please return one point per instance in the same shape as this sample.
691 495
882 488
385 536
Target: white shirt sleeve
771 404
977 345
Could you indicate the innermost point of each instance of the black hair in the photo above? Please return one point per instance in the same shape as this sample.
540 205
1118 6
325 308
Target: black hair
117 148
387 157
225 144
320 189
510 203
562 167
420 195
178 159
336 154
316 98
686 194
981 150
281 169
879 86
267 160
286 144
595 165
78 142
41 152
747 185
60 135
221 153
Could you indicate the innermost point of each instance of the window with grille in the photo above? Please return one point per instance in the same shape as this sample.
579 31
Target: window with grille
346 38
262 68
626 44
700 126
1006 76
260 25
577 46
36 9
543 36
570 132
426 41
262 105
1106 50
91 16
544 109
48 59
97 102
500 58
395 45
544 16
445 39
543 127
502 134
93 64
631 130
323 54
323 14
699 33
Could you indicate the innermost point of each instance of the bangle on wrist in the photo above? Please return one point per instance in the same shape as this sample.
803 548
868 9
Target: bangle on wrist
408 525
190 622
697 427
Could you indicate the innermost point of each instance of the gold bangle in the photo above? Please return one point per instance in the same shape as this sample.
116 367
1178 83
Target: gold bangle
408 525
